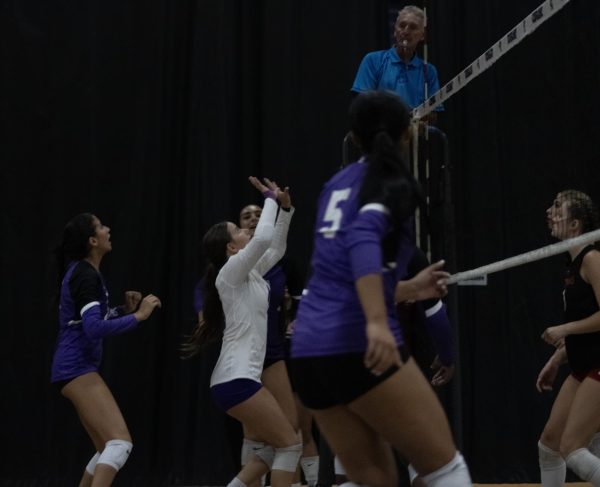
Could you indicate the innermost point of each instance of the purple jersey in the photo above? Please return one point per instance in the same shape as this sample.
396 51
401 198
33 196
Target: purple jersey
347 245
84 320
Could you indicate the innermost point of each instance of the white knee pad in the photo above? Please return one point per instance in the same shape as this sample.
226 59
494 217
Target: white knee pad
585 465
286 459
115 453
266 454
249 449
594 445
91 466
453 474
338 468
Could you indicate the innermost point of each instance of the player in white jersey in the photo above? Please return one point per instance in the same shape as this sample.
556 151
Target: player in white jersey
235 307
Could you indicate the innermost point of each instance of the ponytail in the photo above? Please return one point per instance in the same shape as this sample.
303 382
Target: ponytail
75 242
210 327
379 120
388 180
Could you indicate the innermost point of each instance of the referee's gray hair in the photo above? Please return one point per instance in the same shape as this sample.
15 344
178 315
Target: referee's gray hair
412 9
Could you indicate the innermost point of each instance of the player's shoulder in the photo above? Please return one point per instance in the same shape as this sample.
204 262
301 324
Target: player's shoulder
84 270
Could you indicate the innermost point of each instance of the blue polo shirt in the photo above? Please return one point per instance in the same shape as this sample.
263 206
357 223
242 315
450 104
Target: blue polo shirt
385 70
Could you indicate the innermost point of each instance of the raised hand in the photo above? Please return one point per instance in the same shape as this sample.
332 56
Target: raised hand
147 306
283 197
258 185
270 189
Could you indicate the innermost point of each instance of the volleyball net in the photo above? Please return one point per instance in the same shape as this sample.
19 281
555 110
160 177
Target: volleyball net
570 238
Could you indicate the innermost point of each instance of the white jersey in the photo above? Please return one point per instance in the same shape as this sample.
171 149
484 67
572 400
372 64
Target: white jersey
245 298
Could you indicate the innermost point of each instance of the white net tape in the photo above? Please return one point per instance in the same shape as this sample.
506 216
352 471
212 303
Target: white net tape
536 18
531 256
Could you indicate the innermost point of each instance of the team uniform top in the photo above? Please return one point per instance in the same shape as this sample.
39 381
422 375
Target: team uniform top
385 70
583 350
244 295
84 320
276 280
347 246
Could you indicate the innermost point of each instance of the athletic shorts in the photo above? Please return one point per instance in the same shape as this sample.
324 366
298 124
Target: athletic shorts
332 380
288 361
592 374
234 392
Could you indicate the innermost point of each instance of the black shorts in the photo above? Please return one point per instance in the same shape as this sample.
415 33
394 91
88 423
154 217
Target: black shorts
288 361
327 381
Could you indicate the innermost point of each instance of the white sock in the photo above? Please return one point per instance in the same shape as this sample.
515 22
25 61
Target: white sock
585 465
310 467
338 468
453 474
412 473
236 483
351 484
553 469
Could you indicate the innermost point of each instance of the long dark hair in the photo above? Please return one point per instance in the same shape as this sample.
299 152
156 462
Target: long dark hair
379 119
211 327
75 242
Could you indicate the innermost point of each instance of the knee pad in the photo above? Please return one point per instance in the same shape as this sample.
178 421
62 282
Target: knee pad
453 474
266 454
286 459
91 466
249 449
115 453
548 458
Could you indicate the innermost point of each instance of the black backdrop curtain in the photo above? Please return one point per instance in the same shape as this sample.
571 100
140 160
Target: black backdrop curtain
521 132
152 114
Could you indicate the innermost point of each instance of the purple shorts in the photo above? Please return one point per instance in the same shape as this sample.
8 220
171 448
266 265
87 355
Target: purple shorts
234 392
